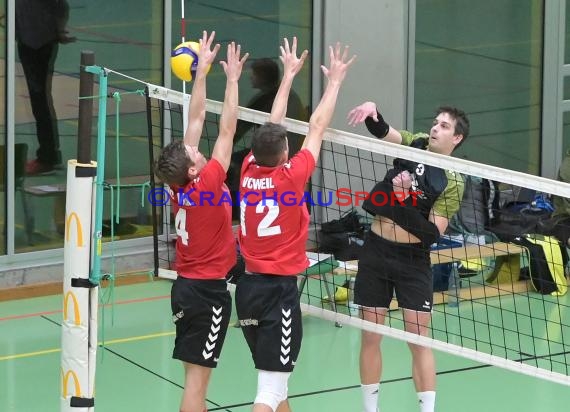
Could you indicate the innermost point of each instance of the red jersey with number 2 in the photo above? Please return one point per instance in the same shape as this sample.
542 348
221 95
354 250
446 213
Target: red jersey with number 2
273 232
205 245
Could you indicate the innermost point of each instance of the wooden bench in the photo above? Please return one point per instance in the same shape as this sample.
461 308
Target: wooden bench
499 286
61 188
474 252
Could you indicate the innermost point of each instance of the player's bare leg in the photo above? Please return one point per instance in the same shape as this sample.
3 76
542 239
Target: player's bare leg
423 362
371 359
195 387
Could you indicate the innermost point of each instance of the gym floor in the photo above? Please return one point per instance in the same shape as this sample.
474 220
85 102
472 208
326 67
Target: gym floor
135 371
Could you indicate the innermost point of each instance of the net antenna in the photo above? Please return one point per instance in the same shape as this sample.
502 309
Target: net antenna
182 40
490 315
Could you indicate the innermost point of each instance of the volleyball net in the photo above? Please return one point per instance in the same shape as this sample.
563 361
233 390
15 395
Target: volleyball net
498 251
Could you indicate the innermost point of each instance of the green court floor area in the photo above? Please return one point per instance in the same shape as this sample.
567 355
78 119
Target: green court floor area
135 371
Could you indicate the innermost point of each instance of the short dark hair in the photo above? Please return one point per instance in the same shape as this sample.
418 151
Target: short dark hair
268 144
266 70
172 165
461 121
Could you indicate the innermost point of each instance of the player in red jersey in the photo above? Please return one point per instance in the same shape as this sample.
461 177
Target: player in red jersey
274 231
205 245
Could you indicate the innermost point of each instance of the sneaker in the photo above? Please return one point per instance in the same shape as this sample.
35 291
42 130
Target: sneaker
36 168
466 273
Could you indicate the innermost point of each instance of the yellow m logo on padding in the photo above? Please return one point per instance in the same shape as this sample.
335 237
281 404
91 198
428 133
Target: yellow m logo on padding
76 314
74 216
65 383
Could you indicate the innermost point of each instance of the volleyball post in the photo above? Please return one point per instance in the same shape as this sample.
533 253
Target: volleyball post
80 295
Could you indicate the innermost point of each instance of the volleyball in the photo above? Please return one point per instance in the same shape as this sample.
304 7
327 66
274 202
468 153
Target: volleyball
184 60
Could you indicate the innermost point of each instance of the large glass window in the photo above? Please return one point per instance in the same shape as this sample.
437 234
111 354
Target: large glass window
566 135
484 57
566 86
259 27
3 152
126 36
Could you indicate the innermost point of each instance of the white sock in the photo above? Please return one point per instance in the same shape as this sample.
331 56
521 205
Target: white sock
370 397
427 401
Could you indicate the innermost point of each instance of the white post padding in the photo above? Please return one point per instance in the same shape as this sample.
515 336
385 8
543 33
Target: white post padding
79 325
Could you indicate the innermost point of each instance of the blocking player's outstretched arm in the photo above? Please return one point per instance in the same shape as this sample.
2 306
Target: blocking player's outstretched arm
197 107
233 67
321 117
291 66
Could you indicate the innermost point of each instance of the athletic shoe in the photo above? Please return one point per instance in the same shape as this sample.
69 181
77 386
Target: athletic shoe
37 168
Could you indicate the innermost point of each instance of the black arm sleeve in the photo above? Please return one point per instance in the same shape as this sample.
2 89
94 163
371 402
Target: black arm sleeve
380 128
422 228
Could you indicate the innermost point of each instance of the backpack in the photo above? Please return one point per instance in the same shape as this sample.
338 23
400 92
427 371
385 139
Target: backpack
343 237
475 212
547 263
524 213
559 224
517 219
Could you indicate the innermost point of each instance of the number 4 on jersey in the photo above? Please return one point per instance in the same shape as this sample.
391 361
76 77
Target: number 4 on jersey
180 225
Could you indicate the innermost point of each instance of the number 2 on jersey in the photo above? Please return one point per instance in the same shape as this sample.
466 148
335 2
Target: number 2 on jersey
264 229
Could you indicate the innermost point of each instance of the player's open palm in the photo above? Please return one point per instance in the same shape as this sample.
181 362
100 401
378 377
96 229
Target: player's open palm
234 63
291 63
206 55
361 112
339 63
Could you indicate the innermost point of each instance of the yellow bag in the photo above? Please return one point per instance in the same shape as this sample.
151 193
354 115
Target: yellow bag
554 260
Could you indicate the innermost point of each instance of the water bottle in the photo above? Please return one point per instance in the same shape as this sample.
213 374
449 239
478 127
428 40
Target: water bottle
454 286
352 307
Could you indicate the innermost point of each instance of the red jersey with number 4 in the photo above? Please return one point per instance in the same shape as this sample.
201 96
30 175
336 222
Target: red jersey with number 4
205 245
273 236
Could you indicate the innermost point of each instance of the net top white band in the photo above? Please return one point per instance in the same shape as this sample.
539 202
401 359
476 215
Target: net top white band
374 145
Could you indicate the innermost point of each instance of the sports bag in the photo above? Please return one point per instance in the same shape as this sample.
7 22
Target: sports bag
547 263
343 237
517 219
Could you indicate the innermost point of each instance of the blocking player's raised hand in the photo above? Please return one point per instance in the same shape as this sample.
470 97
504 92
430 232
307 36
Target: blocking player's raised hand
233 65
197 107
206 55
321 117
291 66
291 63
338 63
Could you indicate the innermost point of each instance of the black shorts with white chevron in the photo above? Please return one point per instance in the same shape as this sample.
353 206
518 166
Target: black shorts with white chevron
201 311
270 317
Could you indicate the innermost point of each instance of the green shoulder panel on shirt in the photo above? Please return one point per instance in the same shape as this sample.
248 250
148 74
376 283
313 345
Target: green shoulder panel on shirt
409 137
449 201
